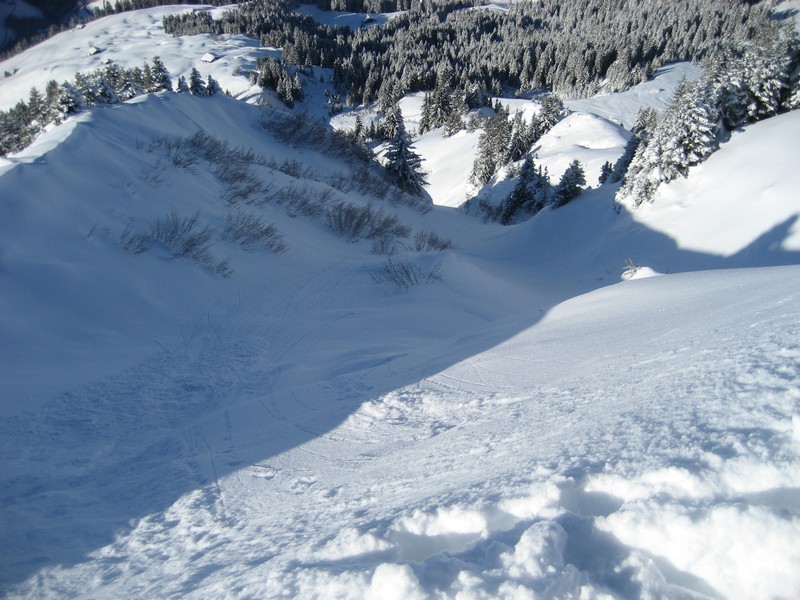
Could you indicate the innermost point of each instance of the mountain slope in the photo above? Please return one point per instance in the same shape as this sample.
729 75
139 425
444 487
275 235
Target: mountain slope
520 423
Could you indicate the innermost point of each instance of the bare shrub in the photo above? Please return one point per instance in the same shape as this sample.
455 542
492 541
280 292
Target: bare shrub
180 152
385 245
247 188
134 242
405 274
349 220
300 200
340 181
293 168
388 225
428 241
418 203
355 222
184 236
251 232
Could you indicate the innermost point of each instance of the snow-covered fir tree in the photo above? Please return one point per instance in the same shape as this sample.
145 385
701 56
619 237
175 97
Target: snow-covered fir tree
531 193
182 87
196 85
403 163
160 75
570 185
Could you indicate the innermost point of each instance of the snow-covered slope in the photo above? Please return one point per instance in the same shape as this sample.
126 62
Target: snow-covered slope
748 189
522 424
129 39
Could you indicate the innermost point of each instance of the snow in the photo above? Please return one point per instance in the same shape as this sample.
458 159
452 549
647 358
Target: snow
789 8
749 188
586 137
526 425
130 39
657 93
352 20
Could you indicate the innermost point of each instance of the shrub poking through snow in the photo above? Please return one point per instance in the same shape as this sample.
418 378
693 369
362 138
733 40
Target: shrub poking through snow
428 241
384 245
251 232
302 200
184 237
404 274
356 222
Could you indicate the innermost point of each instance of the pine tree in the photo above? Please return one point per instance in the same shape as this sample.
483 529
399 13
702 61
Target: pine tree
160 76
520 195
403 163
212 86
605 172
518 143
453 124
183 87
492 147
570 185
392 122
69 101
148 83
643 127
426 119
196 85
37 111
552 112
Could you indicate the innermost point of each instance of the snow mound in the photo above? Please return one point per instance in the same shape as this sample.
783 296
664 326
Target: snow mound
580 136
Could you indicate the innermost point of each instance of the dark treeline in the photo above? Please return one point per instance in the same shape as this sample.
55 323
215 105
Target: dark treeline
569 47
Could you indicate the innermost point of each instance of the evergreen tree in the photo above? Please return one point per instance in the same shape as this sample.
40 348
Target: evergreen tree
426 119
518 144
552 112
570 185
392 123
69 101
212 86
643 127
520 195
160 76
453 124
37 111
492 147
148 82
605 172
531 194
196 85
183 87
403 163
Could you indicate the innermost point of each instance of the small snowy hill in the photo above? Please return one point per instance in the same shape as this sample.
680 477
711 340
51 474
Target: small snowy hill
517 423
